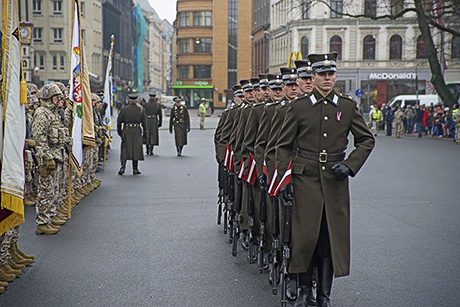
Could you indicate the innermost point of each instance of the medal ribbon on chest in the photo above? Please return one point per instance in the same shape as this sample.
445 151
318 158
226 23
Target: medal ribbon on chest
338 116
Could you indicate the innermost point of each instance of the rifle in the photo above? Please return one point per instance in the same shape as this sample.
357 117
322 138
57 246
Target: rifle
286 200
251 257
262 221
231 205
275 270
237 217
220 195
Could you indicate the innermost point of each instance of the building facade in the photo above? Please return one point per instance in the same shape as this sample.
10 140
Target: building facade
214 49
260 33
383 57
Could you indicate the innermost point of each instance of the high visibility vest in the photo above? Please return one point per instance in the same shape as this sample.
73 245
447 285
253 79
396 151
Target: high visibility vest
454 111
376 115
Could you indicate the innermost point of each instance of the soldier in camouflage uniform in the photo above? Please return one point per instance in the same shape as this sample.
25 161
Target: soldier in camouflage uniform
30 159
45 130
399 122
456 119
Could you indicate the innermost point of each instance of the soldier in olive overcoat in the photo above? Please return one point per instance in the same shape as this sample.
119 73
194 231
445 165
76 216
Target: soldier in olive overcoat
131 127
154 120
180 120
319 125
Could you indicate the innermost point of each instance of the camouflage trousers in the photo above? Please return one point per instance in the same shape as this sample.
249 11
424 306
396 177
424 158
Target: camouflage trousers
202 121
457 133
6 240
47 197
63 182
399 127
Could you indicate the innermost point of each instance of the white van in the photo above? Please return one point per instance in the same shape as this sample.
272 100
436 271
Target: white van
404 100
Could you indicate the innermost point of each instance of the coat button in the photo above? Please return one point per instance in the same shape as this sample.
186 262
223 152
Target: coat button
325 134
326 118
323 168
325 102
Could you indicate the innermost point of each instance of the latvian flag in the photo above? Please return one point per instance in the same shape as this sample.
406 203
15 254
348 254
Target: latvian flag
284 180
273 183
231 160
264 170
226 156
241 170
251 175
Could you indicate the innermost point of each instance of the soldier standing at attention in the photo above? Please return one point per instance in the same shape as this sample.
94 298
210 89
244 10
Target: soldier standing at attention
399 122
319 125
202 112
304 81
180 120
129 122
154 121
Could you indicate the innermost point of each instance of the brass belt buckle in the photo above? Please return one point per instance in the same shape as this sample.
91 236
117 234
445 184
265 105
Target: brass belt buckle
323 157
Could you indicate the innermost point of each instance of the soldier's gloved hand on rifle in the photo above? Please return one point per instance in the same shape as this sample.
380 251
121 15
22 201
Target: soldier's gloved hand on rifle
341 170
262 180
287 192
188 129
30 143
50 165
170 131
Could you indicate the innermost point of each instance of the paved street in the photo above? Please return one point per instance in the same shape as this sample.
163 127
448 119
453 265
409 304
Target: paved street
152 240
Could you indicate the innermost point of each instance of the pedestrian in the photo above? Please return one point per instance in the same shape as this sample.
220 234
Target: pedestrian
129 123
456 119
376 117
180 121
418 120
154 116
399 122
389 119
319 125
202 113
410 114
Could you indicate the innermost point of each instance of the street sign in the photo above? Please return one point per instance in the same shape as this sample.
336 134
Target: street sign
359 92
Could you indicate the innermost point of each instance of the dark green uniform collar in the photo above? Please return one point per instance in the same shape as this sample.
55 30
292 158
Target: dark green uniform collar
315 97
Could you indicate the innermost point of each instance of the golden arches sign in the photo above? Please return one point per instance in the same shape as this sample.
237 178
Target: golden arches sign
293 57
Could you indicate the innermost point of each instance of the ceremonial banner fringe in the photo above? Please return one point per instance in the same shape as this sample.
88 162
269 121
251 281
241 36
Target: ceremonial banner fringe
13 120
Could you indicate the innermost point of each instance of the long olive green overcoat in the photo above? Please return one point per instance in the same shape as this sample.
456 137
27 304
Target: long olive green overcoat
154 116
131 125
317 125
180 120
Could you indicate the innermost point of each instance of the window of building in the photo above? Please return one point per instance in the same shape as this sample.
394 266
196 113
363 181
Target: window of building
83 35
335 45
202 19
306 5
370 8
57 7
37 34
304 46
395 47
369 47
202 45
61 62
41 61
232 43
184 72
54 66
202 71
184 19
57 35
456 47
37 7
184 46
396 6
82 9
336 8
421 48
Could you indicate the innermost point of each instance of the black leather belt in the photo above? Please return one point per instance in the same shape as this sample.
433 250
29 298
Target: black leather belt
322 156
151 116
132 125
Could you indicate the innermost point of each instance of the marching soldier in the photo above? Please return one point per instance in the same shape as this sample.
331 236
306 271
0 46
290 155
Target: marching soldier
319 125
154 121
180 120
129 122
304 81
45 132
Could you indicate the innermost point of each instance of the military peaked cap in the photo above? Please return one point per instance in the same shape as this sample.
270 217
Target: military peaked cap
263 81
323 62
246 85
289 75
133 97
255 83
276 82
177 99
304 68
152 95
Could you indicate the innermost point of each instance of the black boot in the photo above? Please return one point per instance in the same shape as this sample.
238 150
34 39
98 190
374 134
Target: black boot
122 167
305 286
291 287
147 149
151 150
179 151
245 240
325 277
135 169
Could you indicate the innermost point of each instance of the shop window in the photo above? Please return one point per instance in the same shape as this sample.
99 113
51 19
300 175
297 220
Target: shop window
370 8
369 47
395 47
456 47
336 8
202 71
421 48
202 45
336 45
304 46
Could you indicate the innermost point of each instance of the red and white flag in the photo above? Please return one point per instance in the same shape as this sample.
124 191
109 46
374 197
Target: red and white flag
251 175
241 170
226 155
273 183
231 159
284 180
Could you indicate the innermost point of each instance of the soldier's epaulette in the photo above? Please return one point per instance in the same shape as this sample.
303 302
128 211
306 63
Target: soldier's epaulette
259 104
347 97
235 106
274 103
286 104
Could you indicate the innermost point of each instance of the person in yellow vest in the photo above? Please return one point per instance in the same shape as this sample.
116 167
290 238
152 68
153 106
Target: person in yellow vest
376 117
202 112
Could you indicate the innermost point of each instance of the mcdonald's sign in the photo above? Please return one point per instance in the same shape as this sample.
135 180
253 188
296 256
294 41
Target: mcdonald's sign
297 56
